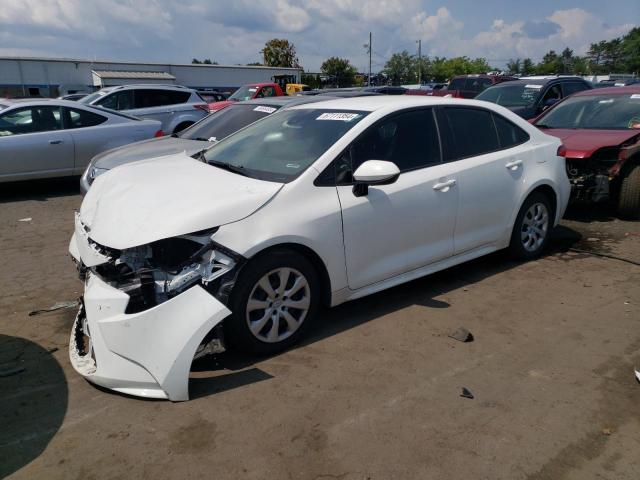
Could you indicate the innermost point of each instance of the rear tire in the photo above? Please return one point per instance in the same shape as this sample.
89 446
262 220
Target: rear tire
532 227
273 303
629 197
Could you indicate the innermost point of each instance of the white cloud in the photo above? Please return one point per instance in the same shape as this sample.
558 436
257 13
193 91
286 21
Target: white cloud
429 27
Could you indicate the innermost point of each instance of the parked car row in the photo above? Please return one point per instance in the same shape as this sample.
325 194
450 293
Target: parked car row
316 204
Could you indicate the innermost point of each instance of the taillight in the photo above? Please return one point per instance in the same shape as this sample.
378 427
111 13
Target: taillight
159 134
201 106
562 151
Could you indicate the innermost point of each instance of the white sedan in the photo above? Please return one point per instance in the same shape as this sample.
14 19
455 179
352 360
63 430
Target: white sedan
43 138
316 205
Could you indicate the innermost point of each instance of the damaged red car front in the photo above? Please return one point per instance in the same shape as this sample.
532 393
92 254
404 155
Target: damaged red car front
600 131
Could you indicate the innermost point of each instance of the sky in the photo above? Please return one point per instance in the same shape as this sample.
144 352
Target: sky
234 31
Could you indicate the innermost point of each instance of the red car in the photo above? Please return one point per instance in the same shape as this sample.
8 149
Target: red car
600 130
468 86
249 92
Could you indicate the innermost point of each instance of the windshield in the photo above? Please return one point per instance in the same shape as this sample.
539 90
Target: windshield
283 145
244 93
92 97
224 122
606 112
510 95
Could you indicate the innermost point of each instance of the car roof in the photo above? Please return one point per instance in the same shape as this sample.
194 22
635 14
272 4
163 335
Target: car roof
281 101
628 90
146 85
536 81
377 102
10 102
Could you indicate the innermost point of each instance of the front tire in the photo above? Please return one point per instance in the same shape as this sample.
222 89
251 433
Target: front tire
532 227
275 300
629 197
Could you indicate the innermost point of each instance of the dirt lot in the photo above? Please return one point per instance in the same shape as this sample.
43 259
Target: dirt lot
374 394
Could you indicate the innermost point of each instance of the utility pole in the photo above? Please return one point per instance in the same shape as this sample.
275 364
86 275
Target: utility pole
419 42
369 49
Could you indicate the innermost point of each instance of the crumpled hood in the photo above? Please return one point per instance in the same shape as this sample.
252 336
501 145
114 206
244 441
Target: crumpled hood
163 197
584 143
154 147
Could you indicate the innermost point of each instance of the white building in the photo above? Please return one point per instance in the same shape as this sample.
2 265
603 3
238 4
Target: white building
50 77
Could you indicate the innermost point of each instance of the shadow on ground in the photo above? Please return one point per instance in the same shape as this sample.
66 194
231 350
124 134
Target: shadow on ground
39 190
334 321
33 401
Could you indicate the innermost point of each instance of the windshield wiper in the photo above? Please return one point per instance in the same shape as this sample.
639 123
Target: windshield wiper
227 166
541 125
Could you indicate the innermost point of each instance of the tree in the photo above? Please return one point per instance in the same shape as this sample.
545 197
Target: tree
206 61
279 52
513 66
528 67
551 63
401 68
340 69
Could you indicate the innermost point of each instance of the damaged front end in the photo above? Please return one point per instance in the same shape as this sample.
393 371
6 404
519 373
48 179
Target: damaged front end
147 309
596 178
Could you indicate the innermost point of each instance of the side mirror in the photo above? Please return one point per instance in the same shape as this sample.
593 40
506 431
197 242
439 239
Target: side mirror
374 172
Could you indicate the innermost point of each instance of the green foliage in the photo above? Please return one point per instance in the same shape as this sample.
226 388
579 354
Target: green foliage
401 68
341 70
279 52
312 80
206 61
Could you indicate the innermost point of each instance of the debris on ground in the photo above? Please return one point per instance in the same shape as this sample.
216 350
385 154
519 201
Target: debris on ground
27 219
56 306
466 393
638 375
607 431
11 371
462 335
52 350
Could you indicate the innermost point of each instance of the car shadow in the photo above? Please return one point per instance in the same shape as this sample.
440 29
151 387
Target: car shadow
33 401
423 291
39 190
591 213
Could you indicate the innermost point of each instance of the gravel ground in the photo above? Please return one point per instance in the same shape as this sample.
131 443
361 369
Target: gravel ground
373 394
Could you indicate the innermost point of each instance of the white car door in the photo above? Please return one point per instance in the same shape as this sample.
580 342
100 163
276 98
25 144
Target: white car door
488 155
33 143
407 224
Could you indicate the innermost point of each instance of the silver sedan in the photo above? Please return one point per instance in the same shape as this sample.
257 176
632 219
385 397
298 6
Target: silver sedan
44 138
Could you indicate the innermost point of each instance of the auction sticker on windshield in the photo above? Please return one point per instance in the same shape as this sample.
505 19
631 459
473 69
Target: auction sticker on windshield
265 109
533 85
636 96
345 117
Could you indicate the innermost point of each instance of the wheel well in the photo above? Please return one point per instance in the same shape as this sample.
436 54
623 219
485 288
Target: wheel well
314 258
550 193
181 126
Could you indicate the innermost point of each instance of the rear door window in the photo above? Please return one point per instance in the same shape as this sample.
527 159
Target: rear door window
468 132
30 120
77 118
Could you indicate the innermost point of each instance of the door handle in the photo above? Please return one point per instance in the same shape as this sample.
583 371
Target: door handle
513 165
55 142
444 186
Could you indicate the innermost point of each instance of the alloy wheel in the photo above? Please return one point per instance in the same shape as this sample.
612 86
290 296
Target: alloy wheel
535 225
278 304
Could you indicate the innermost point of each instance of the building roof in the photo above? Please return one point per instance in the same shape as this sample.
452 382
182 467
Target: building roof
121 74
128 62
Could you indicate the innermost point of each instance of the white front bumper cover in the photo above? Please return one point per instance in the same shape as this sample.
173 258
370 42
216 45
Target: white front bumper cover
147 354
